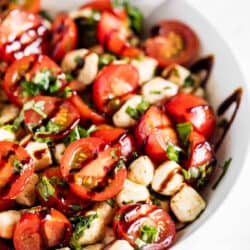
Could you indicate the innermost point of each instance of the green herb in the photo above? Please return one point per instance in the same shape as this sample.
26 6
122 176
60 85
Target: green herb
106 59
18 166
143 106
75 207
45 15
224 169
58 181
68 77
120 164
188 82
132 112
155 92
128 202
191 173
49 128
148 233
134 14
78 60
29 89
10 127
87 132
82 223
67 92
45 189
111 203
173 152
184 130
114 153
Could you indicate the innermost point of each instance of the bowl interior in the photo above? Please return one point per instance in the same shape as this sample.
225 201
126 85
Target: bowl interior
226 77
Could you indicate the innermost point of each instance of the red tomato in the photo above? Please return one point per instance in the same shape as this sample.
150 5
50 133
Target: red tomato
189 108
200 151
99 173
42 229
112 83
58 116
62 199
64 37
26 70
112 32
86 113
7 205
175 42
30 36
105 5
154 131
130 220
108 133
16 169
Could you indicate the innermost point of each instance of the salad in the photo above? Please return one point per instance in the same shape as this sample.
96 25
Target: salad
105 136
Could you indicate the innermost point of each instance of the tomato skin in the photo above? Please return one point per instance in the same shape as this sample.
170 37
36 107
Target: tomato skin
189 108
114 81
201 152
7 205
11 183
29 37
65 36
86 113
63 199
153 132
29 66
27 233
130 218
162 45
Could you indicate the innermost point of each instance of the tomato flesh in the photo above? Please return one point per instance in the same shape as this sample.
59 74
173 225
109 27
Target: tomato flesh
13 178
114 82
153 132
175 42
189 108
30 36
131 218
65 37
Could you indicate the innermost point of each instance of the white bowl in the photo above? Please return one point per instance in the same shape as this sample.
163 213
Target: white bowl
226 77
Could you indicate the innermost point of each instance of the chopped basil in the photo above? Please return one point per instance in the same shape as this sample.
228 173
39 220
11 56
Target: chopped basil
106 59
18 166
135 16
224 171
49 128
184 129
189 82
82 223
120 164
67 92
155 92
75 207
135 113
148 233
58 181
132 112
111 203
173 152
42 82
45 189
86 132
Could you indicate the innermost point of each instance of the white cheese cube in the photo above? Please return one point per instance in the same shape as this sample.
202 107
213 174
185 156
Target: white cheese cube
141 170
178 74
187 204
121 118
132 193
158 89
40 154
167 179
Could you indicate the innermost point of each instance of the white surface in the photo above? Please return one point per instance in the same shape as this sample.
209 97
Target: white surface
228 229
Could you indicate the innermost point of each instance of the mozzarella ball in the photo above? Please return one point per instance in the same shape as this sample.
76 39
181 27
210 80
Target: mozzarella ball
167 178
141 171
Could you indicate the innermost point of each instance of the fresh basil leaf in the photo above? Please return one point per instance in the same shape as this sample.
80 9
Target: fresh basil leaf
106 59
148 233
111 203
135 113
132 112
173 152
184 130
143 106
45 189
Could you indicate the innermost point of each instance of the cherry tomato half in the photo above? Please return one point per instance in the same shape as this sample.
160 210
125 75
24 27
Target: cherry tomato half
64 36
86 113
98 177
154 131
175 42
58 116
112 83
31 76
131 219
16 169
62 199
190 108
29 37
37 230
